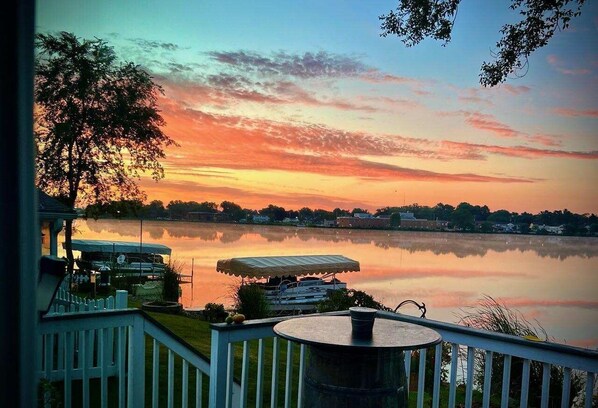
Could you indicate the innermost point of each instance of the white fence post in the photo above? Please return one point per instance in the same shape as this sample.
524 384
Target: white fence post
121 299
218 366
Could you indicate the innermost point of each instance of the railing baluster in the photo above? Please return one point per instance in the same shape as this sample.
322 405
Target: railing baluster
300 380
274 390
453 381
68 364
470 372
170 379
289 374
259 394
230 366
437 368
121 364
155 373
524 383
487 379
589 389
421 378
506 380
185 385
244 374
566 388
545 385
103 362
85 372
407 357
198 388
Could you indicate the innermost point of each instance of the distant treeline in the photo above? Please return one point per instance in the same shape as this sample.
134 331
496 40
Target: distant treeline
464 216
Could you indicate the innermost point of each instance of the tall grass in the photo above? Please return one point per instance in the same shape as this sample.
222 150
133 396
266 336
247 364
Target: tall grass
494 316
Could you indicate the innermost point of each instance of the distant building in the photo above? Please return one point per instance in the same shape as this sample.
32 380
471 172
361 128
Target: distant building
363 215
329 223
408 221
288 220
260 219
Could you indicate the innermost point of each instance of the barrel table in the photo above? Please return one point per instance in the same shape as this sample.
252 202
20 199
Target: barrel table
345 371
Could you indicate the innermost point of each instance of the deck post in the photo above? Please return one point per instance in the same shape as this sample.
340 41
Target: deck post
136 369
218 368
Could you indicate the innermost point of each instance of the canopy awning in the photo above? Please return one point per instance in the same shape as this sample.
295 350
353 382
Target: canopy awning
278 266
89 245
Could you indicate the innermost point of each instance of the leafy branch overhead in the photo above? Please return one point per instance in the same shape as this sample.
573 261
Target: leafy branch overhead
415 20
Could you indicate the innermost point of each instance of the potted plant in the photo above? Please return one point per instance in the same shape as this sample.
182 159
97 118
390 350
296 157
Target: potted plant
171 279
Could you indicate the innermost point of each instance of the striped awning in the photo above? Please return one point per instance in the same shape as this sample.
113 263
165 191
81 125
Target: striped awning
277 266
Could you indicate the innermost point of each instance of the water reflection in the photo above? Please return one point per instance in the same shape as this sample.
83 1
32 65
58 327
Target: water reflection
460 245
551 279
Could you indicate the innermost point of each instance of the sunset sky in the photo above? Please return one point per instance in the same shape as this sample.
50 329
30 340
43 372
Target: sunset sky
302 103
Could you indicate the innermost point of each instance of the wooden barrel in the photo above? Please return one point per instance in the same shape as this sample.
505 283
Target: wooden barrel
343 377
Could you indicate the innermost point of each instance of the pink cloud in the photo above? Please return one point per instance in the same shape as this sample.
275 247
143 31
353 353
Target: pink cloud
489 123
520 151
592 113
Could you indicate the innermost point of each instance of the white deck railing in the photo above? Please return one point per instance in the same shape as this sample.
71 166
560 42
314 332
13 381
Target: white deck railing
571 360
104 354
269 371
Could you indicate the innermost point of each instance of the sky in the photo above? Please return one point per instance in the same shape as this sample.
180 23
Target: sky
303 103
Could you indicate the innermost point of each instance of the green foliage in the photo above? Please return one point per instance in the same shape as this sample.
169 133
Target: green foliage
214 312
251 301
343 299
415 20
48 394
171 281
496 317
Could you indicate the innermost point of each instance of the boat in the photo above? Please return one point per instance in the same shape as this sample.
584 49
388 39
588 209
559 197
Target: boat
291 282
122 257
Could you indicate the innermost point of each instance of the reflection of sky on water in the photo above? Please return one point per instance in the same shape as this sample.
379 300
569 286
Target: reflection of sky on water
551 279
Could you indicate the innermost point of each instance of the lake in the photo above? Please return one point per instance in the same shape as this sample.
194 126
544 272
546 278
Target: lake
549 279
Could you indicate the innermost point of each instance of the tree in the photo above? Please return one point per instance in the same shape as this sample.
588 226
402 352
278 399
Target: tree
97 124
234 211
415 20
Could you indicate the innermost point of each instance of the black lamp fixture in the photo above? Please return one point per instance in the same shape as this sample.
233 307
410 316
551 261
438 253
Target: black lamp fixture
52 271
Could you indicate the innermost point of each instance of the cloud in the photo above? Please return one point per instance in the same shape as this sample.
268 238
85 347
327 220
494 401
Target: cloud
592 113
518 151
308 65
558 64
149 46
236 142
489 123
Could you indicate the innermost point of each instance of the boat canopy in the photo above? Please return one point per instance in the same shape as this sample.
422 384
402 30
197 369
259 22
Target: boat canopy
89 245
278 266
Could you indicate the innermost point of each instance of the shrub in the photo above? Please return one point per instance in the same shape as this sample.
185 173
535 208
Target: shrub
251 301
171 281
343 299
214 313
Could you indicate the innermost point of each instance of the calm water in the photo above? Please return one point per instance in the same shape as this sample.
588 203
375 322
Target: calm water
553 280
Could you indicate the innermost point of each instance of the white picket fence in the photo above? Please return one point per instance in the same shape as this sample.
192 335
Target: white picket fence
66 302
93 353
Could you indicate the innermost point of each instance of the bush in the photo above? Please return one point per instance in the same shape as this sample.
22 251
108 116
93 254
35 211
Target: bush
171 280
343 299
214 313
251 301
